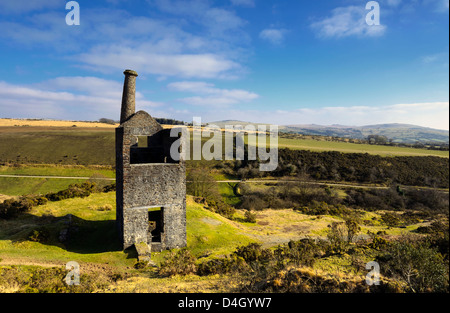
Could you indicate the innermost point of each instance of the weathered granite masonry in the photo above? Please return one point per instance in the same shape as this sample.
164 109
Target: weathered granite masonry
151 186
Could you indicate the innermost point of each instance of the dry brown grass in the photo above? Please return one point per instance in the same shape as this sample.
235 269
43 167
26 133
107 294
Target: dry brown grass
5 197
175 284
275 227
6 122
52 123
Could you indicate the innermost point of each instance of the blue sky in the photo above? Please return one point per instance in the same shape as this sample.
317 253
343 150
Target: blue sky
272 61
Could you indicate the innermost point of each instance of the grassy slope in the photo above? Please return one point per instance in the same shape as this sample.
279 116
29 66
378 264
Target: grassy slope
95 240
95 248
16 186
44 145
23 186
89 146
315 145
55 170
208 233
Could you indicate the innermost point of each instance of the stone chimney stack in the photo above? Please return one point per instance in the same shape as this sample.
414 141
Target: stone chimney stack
128 96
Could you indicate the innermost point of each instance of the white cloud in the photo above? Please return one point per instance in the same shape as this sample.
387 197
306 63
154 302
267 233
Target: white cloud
145 60
181 7
430 58
43 29
346 22
164 48
215 20
440 5
436 60
431 114
24 6
221 20
445 4
436 6
393 3
151 46
273 35
66 97
244 3
93 86
211 95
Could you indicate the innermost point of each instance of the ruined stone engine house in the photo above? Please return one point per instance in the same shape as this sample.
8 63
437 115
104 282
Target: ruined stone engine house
151 185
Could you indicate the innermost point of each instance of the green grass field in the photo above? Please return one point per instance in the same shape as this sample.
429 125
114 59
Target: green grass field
315 145
55 145
91 146
55 170
32 239
89 152
16 186
30 243
96 239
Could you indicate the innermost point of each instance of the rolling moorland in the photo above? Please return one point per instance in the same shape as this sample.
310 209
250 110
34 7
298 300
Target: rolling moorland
395 133
310 226
399 133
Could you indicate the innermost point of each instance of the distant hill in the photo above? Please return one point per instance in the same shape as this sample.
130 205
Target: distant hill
398 133
224 123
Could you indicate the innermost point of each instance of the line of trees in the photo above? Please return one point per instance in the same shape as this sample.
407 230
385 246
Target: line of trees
428 171
371 139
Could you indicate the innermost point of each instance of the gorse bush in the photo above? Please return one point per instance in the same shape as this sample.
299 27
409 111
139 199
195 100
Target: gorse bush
323 208
253 252
306 280
353 167
224 209
417 264
314 199
201 184
337 236
432 201
378 243
341 235
254 260
411 266
109 188
50 280
73 191
181 262
352 229
12 208
302 252
249 217
252 202
244 259
227 265
39 235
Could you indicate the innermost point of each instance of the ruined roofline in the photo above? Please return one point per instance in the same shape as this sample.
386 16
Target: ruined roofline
141 119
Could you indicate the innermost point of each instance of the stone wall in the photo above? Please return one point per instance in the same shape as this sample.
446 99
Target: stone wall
146 185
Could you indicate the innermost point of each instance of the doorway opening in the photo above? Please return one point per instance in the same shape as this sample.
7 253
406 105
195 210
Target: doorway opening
156 223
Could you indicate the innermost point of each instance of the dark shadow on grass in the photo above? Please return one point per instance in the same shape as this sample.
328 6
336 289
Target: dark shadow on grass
69 232
88 237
